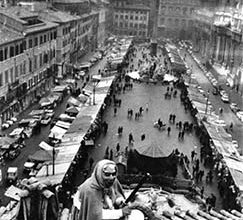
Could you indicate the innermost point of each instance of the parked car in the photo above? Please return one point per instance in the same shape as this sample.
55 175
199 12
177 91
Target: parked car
234 107
225 98
239 114
12 175
235 144
46 120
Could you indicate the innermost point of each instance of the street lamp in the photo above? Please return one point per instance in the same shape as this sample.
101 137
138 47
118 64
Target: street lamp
95 82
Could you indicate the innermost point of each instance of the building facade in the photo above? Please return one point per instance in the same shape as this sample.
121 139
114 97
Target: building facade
131 19
26 63
176 18
218 39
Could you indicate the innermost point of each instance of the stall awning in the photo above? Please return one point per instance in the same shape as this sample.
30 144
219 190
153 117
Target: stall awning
73 101
57 132
63 124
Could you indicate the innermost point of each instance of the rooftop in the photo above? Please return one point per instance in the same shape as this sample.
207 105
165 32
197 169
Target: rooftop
133 7
18 12
8 35
57 16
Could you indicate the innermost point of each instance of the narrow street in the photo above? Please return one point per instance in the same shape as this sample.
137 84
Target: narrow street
32 143
228 116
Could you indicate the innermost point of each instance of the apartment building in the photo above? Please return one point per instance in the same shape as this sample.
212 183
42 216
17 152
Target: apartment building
131 19
27 58
176 18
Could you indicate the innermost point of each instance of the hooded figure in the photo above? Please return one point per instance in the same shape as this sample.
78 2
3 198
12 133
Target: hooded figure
101 193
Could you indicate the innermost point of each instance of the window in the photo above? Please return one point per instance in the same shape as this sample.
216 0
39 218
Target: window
55 34
131 25
35 62
121 16
41 39
136 18
126 24
162 21
40 59
131 17
136 25
24 45
192 11
5 53
116 16
16 73
1 55
6 76
184 11
126 16
30 43
36 41
163 9
21 48
11 51
30 65
44 38
1 79
121 24
24 67
16 50
20 69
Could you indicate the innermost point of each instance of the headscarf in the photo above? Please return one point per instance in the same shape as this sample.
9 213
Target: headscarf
93 194
97 174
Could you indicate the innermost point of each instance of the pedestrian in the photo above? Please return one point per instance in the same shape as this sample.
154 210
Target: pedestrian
130 138
142 137
126 151
201 174
107 150
115 111
213 200
202 192
118 147
140 111
91 162
173 118
193 154
231 126
182 134
170 117
179 135
146 107
111 154
168 130
105 127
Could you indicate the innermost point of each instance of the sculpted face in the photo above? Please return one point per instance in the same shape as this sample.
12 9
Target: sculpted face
109 175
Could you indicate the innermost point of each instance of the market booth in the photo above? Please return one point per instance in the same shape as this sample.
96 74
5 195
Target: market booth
149 156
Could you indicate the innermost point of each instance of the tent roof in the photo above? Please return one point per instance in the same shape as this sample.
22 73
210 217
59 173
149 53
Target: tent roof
150 148
72 109
73 101
6 141
41 155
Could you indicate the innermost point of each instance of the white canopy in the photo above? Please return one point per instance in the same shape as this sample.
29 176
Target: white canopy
134 75
63 124
57 132
43 145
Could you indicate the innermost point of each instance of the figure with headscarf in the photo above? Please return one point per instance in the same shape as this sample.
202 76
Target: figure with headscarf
101 196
